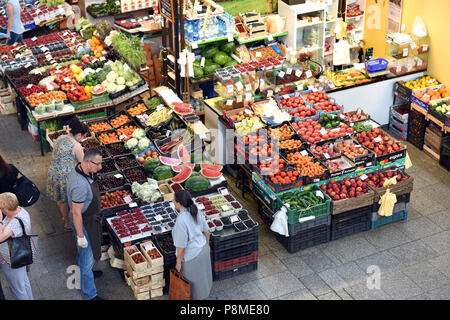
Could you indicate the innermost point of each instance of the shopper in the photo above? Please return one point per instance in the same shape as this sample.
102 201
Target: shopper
8 175
66 154
14 27
191 238
85 218
11 227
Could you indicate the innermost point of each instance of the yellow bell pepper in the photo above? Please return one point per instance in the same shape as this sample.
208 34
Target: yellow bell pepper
87 90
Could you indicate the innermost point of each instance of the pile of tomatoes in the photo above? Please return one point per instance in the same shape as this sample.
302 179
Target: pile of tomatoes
303 112
312 132
272 166
284 177
292 102
315 97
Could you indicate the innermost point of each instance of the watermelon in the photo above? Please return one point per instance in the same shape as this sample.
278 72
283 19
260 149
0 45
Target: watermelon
196 183
211 166
220 58
211 174
181 167
151 164
228 47
98 89
211 68
169 161
162 173
183 175
183 154
210 52
182 110
231 63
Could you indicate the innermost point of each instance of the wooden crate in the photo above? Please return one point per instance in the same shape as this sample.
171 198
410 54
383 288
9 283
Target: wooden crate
345 205
153 263
157 278
129 253
140 288
156 293
8 108
142 296
157 270
431 153
137 274
127 278
158 285
401 188
141 281
167 196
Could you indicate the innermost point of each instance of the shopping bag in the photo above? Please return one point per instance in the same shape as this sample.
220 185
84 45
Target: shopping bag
341 53
180 288
280 223
26 191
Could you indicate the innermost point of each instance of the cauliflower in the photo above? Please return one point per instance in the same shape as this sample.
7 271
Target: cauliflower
144 143
131 143
120 80
111 87
138 133
120 87
129 83
111 77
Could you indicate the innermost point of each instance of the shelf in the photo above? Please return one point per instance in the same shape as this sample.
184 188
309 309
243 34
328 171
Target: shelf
248 40
331 21
308 25
360 16
199 43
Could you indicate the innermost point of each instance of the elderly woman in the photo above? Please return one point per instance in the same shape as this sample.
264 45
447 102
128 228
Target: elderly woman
10 227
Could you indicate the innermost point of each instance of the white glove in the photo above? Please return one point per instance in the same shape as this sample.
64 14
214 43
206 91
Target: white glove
82 242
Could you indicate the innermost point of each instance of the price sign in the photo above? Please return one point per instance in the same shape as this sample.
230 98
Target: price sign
326 155
200 206
123 136
230 38
405 52
323 131
258 54
158 217
335 130
261 82
168 133
413 45
358 111
44 48
248 96
118 176
133 205
377 139
299 87
270 37
425 48
224 192
234 219
269 93
229 88
40 93
342 116
126 67
73 40
289 71
281 74
398 69
351 124
298 73
363 177
202 62
29 86
117 3
33 39
38 11
349 77
308 74
102 58
319 194
194 45
73 88
170 111
239 99
304 153
249 112
133 20
67 79
94 60
314 90
229 102
127 199
226 207
357 145
239 86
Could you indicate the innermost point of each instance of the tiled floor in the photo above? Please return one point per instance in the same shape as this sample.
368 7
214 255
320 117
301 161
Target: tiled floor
413 256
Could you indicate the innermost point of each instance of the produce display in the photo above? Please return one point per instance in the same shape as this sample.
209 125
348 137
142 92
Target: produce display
378 142
313 132
248 125
301 201
116 149
360 126
329 121
41 98
110 137
100 126
290 144
115 198
355 116
158 117
377 179
315 97
215 56
108 182
427 95
351 150
305 164
138 109
148 191
420 83
135 174
119 120
337 165
441 107
281 133
126 132
346 188
325 152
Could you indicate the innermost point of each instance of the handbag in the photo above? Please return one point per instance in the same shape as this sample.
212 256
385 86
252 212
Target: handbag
26 191
180 288
18 252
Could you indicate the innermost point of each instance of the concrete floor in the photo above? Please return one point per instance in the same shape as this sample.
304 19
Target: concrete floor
413 255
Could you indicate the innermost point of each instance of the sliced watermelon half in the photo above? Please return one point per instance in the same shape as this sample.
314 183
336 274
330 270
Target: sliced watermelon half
211 174
169 161
211 166
183 175
183 155
180 167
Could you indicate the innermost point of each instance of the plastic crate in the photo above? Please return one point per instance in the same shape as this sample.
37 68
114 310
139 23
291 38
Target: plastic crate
228 273
236 262
350 222
92 116
305 239
376 65
170 258
401 215
308 224
244 249
274 204
400 135
230 238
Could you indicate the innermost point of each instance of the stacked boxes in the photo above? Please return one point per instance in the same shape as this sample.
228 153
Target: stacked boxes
416 128
398 121
7 101
434 138
144 270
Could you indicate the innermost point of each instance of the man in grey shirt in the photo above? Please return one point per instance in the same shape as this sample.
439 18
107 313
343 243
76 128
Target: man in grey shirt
85 218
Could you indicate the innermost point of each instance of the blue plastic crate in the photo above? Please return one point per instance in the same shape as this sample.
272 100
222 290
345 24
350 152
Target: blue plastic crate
401 215
376 65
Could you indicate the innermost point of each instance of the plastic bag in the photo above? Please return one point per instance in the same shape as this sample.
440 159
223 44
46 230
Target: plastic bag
280 223
419 28
341 53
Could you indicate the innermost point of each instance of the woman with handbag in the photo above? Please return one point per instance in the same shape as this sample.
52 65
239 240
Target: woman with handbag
191 238
66 154
17 221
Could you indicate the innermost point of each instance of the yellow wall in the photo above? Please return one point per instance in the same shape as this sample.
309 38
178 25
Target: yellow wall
435 15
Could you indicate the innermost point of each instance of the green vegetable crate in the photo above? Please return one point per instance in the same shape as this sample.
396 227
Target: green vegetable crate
89 103
310 202
273 204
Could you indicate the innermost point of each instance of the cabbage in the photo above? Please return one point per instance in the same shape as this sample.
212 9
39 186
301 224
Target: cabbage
120 80
144 143
147 191
111 77
131 143
136 188
111 87
138 133
120 87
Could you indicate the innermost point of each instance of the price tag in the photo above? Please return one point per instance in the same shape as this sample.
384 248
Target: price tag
202 62
319 194
342 116
269 93
194 45
331 85
326 155
67 80
258 54
29 86
117 3
413 45
405 52
94 60
229 88
226 207
377 139
118 176
299 87
234 219
200 206
277 90
239 86
239 99
398 69
270 37
168 133
323 131
314 90
351 124
126 67
73 40
425 48
230 38
133 205
123 136
127 199
363 177
304 153
289 71
349 77
358 111
158 217
248 87
308 74
40 93
281 74
248 96
357 145
298 73
44 48
33 39
38 11
261 82
224 192
102 58
133 20
73 88
229 102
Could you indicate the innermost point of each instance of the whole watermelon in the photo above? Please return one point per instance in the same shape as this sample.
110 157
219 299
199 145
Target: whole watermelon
162 173
228 47
151 164
220 58
198 72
